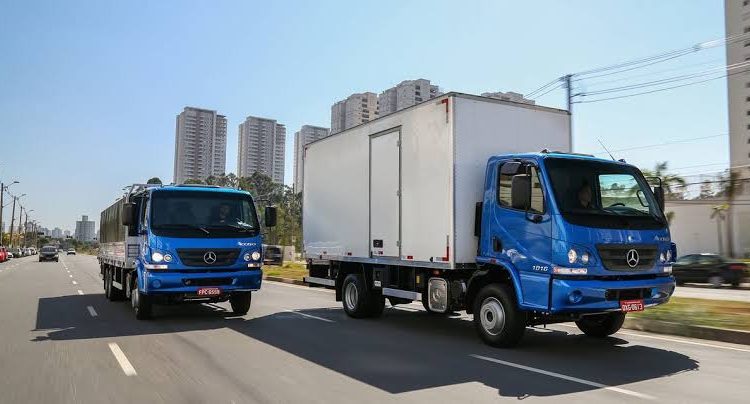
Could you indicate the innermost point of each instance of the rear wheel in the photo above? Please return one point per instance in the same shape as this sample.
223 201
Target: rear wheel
240 303
141 303
601 325
497 319
358 301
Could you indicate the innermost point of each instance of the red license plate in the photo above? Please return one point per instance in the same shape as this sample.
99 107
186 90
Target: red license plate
209 291
631 305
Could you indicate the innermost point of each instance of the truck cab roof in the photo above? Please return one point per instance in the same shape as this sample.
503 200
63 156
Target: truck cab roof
538 156
198 187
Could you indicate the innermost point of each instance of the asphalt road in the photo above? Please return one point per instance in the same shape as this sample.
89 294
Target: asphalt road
62 342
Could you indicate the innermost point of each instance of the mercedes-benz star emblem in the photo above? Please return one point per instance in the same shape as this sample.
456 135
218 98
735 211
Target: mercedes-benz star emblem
210 257
632 258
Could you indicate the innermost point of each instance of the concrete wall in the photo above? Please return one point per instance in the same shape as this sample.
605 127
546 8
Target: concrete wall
695 231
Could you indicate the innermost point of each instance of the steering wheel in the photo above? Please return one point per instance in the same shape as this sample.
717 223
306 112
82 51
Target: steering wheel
616 204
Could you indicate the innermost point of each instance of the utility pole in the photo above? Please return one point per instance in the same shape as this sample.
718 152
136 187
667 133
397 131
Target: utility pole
569 96
26 230
2 192
12 221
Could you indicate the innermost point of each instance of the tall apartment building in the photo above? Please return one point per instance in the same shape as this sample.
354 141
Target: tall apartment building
509 96
261 148
737 21
85 229
307 134
406 94
200 148
354 110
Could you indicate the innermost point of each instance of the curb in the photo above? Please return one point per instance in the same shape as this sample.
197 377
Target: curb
284 280
686 330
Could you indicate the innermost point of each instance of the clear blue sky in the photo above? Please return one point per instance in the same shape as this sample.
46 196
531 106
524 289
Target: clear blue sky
89 90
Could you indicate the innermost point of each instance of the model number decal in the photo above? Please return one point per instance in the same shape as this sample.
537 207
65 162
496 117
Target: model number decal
540 268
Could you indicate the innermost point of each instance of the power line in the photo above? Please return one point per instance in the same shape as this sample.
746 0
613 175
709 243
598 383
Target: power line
660 89
548 91
712 61
542 88
665 143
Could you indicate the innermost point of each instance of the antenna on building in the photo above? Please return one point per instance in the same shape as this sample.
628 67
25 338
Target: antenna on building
605 149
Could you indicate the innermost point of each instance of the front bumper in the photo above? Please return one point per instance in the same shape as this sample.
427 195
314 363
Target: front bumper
188 283
597 295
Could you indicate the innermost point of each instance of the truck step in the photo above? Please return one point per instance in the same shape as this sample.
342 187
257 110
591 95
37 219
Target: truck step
319 281
404 294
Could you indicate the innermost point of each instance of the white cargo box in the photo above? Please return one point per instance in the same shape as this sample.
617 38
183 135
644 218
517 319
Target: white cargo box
402 189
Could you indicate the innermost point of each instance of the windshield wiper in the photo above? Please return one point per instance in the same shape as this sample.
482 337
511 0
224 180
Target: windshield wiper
182 226
233 226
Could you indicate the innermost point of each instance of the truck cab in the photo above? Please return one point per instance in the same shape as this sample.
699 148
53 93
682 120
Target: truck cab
187 244
579 238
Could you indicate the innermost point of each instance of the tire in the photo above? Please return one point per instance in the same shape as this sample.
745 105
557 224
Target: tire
112 293
377 304
497 319
716 281
601 325
141 303
240 303
357 300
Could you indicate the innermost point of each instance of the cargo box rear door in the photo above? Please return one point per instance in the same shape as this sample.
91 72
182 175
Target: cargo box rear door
385 194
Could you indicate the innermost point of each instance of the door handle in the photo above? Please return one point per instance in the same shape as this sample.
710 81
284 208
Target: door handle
497 245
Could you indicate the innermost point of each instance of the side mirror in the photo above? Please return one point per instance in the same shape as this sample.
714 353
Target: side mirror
270 216
520 192
659 194
128 214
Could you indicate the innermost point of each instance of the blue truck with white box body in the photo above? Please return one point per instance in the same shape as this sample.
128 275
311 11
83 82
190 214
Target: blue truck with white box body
182 244
426 209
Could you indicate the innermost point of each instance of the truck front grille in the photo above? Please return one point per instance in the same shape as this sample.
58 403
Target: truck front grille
615 256
196 256
627 294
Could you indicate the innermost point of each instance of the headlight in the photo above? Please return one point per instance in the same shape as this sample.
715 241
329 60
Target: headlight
157 257
662 258
167 257
585 257
256 255
246 257
669 255
572 256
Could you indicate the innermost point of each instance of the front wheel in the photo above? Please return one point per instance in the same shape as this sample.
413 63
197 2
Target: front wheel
497 319
240 303
601 325
141 303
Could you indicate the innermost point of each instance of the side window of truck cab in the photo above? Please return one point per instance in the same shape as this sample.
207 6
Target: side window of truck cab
528 187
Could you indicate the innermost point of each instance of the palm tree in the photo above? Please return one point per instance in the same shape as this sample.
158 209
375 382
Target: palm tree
673 184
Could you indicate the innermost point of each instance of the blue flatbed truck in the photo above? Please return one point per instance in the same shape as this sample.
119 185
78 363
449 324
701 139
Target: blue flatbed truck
182 244
430 213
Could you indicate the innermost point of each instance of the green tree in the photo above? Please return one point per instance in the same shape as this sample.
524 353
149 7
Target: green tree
674 185
193 181
154 180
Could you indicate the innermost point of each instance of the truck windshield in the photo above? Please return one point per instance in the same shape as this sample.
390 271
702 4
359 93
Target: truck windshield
203 214
603 194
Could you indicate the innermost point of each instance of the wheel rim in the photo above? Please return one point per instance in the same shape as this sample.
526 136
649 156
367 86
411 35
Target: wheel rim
350 296
492 316
716 281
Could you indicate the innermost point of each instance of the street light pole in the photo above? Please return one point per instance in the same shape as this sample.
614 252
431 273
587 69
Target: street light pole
26 229
3 188
12 221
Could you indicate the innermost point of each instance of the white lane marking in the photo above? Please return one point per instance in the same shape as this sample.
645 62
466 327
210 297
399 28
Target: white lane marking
287 285
70 276
122 359
75 283
91 311
80 292
565 377
683 341
311 316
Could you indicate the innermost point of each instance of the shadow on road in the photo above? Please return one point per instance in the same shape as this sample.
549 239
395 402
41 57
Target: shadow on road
400 352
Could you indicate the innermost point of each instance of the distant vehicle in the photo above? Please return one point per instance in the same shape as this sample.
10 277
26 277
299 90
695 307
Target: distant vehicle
435 204
71 251
17 253
10 255
3 254
182 244
273 255
49 253
709 268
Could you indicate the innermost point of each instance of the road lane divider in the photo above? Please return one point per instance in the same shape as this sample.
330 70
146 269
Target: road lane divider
75 283
80 292
125 364
565 377
311 316
92 311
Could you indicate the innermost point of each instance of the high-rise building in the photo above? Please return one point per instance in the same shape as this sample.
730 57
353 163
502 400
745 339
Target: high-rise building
85 229
261 148
354 110
509 96
56 233
737 13
66 233
406 94
307 134
200 149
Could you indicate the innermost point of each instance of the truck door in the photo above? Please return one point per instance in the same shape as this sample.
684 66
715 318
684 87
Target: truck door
385 195
520 230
